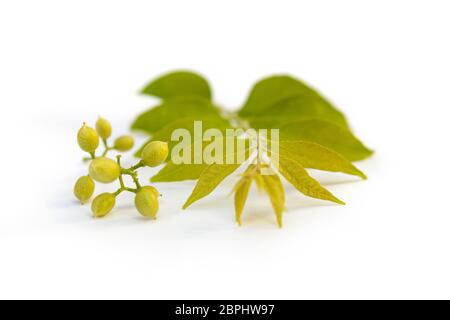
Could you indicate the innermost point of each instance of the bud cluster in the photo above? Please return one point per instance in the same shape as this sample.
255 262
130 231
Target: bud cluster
106 170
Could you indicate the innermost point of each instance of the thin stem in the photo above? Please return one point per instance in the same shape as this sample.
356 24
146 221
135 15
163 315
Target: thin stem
105 144
107 148
127 172
119 191
136 181
132 173
122 185
106 151
122 189
138 165
133 176
258 154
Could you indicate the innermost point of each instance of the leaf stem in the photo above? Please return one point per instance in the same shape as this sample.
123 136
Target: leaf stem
122 185
129 172
258 154
138 165
132 173
107 148
136 181
235 120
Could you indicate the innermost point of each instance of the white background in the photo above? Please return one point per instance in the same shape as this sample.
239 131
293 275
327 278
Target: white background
386 64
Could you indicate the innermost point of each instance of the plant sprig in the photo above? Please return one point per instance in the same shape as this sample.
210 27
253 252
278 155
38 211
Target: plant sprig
313 134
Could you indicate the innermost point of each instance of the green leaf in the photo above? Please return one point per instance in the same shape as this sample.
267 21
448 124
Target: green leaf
147 121
241 193
165 133
270 91
210 178
274 188
178 83
314 156
259 183
295 109
208 122
184 171
173 109
327 134
284 92
296 174
172 172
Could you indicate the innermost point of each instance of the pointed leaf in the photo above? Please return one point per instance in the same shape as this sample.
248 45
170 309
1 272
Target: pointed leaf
301 107
269 91
174 109
208 122
184 171
210 178
178 83
147 121
314 156
274 188
284 92
213 175
327 134
179 172
165 134
299 178
259 183
240 196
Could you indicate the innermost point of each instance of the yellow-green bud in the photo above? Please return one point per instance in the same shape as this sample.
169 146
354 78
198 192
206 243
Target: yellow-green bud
146 203
153 190
124 143
155 153
84 188
87 138
103 128
103 204
104 170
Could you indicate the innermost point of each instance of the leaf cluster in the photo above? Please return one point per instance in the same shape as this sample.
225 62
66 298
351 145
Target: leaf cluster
313 134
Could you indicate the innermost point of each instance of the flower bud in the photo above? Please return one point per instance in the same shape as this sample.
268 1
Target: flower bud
103 204
87 138
103 128
153 190
84 188
124 143
146 203
155 153
104 170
